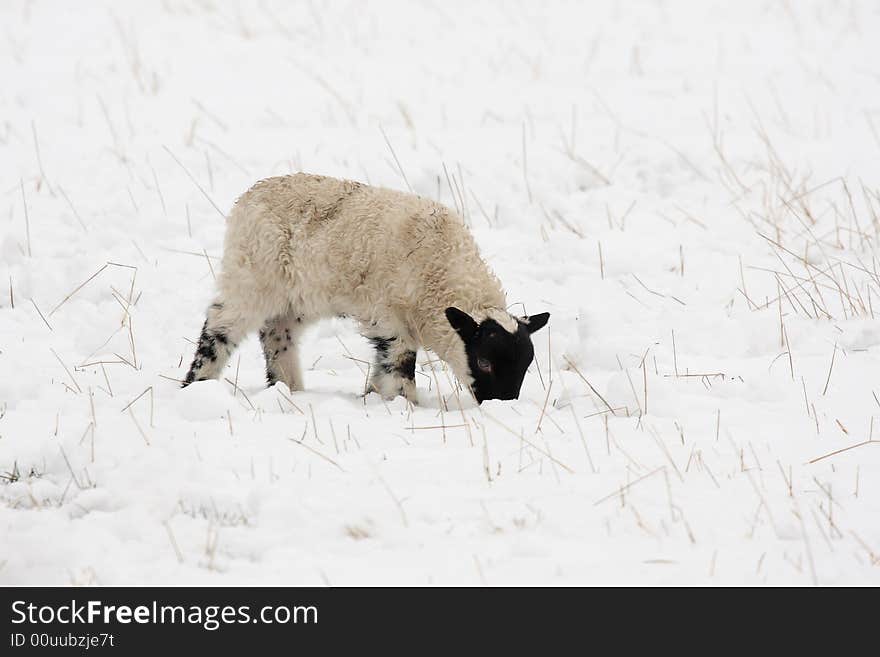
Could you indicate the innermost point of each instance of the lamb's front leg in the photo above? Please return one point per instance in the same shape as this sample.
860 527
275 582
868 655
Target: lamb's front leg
394 370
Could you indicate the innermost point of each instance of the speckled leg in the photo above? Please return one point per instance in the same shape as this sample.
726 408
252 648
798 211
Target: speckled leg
394 370
222 331
279 338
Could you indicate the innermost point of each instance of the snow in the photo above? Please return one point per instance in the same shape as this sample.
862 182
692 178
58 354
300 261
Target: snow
720 157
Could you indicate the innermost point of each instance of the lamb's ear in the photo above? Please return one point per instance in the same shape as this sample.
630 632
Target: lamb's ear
463 323
535 322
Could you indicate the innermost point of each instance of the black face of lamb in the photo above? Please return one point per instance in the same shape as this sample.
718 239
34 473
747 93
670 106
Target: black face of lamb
497 359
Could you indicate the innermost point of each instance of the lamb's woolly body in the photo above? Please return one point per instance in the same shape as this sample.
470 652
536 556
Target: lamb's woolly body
303 247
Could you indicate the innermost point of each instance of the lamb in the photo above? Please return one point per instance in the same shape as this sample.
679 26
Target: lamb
304 247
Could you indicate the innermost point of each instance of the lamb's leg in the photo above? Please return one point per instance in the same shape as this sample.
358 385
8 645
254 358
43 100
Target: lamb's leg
221 333
279 338
394 370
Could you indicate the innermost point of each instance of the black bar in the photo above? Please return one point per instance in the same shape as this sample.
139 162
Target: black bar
422 620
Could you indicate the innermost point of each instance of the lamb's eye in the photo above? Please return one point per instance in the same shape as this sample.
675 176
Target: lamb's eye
484 365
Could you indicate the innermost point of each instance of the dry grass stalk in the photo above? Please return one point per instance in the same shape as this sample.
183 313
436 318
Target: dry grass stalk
527 442
27 219
195 182
590 385
77 289
396 160
844 449
317 453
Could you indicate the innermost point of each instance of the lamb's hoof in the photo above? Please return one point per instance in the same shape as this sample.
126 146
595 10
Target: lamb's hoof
410 393
388 396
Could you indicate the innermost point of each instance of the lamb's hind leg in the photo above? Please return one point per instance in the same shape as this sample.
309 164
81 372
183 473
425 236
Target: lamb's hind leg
394 370
279 338
221 333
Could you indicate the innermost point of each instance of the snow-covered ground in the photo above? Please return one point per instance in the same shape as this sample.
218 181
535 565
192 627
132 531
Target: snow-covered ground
690 188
